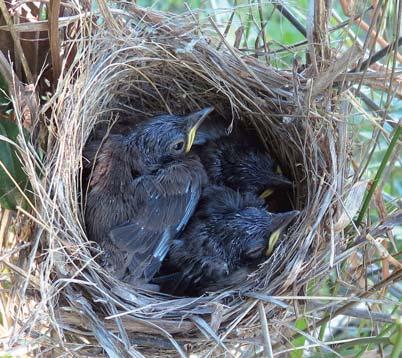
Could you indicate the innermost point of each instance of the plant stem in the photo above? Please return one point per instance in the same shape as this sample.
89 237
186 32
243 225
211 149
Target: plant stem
380 171
396 351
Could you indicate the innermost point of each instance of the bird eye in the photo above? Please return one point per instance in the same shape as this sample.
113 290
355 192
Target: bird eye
178 146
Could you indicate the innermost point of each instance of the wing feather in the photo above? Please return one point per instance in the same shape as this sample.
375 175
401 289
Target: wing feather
165 203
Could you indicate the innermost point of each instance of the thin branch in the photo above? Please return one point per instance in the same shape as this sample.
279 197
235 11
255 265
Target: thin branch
395 276
380 171
380 40
378 56
228 26
54 10
265 331
16 40
285 12
374 107
385 255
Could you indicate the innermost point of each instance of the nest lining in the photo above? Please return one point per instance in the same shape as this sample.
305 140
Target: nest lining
160 66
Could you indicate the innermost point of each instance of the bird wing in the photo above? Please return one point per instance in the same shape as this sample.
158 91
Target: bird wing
164 203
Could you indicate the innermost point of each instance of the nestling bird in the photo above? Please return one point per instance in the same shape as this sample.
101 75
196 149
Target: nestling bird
143 190
241 166
228 231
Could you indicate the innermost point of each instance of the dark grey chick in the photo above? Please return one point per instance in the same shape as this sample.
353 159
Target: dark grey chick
229 231
234 162
143 190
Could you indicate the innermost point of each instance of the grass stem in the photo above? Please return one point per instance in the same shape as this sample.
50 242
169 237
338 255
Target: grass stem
380 171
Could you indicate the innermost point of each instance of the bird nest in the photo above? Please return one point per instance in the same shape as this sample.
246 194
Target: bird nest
139 64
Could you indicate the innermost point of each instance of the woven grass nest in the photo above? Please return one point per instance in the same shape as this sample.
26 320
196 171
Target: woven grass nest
143 64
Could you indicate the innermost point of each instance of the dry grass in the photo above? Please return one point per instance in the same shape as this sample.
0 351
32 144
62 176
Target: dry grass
140 63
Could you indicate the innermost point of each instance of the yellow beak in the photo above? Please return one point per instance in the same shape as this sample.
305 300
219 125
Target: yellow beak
198 118
281 221
272 241
191 137
266 193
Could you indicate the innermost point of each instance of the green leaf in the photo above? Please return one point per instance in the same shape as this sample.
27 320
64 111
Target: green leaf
301 324
392 146
10 196
4 99
396 340
43 13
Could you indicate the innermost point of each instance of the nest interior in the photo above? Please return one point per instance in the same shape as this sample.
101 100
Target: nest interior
164 64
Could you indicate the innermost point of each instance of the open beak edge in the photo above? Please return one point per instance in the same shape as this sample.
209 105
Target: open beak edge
285 220
198 117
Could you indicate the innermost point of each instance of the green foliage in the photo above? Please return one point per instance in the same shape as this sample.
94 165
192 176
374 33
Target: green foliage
10 196
395 138
170 5
397 350
4 100
299 341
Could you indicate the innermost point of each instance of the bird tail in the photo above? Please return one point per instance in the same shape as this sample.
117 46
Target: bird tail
159 255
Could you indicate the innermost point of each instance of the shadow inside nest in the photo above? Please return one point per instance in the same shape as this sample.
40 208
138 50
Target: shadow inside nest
184 209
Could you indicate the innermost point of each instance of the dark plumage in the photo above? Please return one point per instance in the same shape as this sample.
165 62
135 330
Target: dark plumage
142 192
228 231
240 165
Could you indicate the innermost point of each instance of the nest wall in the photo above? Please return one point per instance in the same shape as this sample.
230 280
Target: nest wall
156 64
